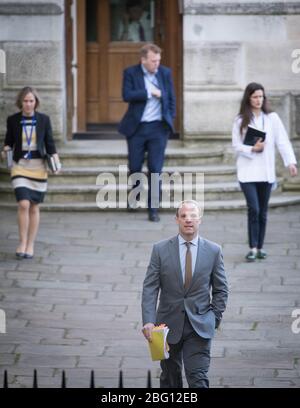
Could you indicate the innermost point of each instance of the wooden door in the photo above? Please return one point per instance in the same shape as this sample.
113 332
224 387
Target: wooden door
102 57
105 63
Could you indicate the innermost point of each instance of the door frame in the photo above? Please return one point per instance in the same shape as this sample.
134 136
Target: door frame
81 64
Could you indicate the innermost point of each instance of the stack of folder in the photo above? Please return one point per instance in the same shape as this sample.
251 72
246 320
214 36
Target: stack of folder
9 158
53 165
159 348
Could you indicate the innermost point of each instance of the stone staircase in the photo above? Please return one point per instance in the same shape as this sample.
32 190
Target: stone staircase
77 186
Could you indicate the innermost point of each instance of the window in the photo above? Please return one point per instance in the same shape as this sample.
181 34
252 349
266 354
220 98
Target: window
91 21
132 20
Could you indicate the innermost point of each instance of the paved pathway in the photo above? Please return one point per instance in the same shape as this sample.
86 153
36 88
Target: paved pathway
76 305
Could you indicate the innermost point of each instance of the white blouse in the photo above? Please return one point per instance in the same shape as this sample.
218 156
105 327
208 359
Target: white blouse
256 167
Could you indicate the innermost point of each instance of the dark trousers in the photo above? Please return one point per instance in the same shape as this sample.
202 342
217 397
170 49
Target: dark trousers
150 137
257 196
194 351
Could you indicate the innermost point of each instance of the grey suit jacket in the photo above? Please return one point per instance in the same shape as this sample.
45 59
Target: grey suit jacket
204 301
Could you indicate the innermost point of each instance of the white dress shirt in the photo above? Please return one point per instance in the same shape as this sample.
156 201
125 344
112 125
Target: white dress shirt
257 167
153 108
182 253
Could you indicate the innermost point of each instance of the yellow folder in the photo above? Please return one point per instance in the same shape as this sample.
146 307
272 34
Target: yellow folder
159 348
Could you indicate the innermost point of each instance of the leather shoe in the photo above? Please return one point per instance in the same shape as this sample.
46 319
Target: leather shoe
20 255
132 210
153 216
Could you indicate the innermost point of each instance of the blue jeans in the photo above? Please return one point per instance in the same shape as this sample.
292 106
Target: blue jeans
257 195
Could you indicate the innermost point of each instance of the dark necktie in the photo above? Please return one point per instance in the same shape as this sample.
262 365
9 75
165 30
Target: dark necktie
141 32
188 266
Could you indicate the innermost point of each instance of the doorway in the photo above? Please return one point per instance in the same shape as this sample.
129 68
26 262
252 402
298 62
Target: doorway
107 40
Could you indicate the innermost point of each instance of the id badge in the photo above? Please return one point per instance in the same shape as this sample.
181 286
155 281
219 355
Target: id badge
27 156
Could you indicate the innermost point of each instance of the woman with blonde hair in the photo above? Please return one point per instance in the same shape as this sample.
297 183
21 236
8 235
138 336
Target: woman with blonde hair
29 136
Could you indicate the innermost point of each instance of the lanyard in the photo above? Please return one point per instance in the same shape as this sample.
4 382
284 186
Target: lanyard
28 138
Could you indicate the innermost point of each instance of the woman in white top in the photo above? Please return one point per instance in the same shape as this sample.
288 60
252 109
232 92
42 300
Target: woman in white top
256 164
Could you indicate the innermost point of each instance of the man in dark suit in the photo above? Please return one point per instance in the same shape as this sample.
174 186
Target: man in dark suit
187 271
148 89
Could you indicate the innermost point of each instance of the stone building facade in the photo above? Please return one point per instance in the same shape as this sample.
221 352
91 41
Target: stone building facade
225 46
32 36
228 45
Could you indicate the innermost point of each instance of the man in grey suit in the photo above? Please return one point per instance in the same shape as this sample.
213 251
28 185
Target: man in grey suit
187 271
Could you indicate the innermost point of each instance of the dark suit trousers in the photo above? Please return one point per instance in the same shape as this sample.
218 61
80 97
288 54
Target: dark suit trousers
257 196
150 137
195 353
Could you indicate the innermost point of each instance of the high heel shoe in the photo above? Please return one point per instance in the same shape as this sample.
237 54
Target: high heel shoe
28 256
20 255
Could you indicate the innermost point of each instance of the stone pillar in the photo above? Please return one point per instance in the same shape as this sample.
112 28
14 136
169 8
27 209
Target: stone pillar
32 37
226 46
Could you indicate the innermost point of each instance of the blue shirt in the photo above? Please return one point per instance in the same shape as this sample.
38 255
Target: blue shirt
182 253
152 109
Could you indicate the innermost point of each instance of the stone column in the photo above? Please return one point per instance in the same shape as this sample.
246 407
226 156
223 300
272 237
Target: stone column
32 37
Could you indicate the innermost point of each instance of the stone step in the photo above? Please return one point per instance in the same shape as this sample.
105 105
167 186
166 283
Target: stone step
75 188
107 153
88 175
89 193
292 185
95 153
171 158
284 199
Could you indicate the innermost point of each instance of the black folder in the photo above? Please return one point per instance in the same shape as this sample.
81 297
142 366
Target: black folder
253 135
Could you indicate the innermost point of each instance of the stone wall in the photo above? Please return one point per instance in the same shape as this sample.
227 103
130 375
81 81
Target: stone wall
32 36
226 46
